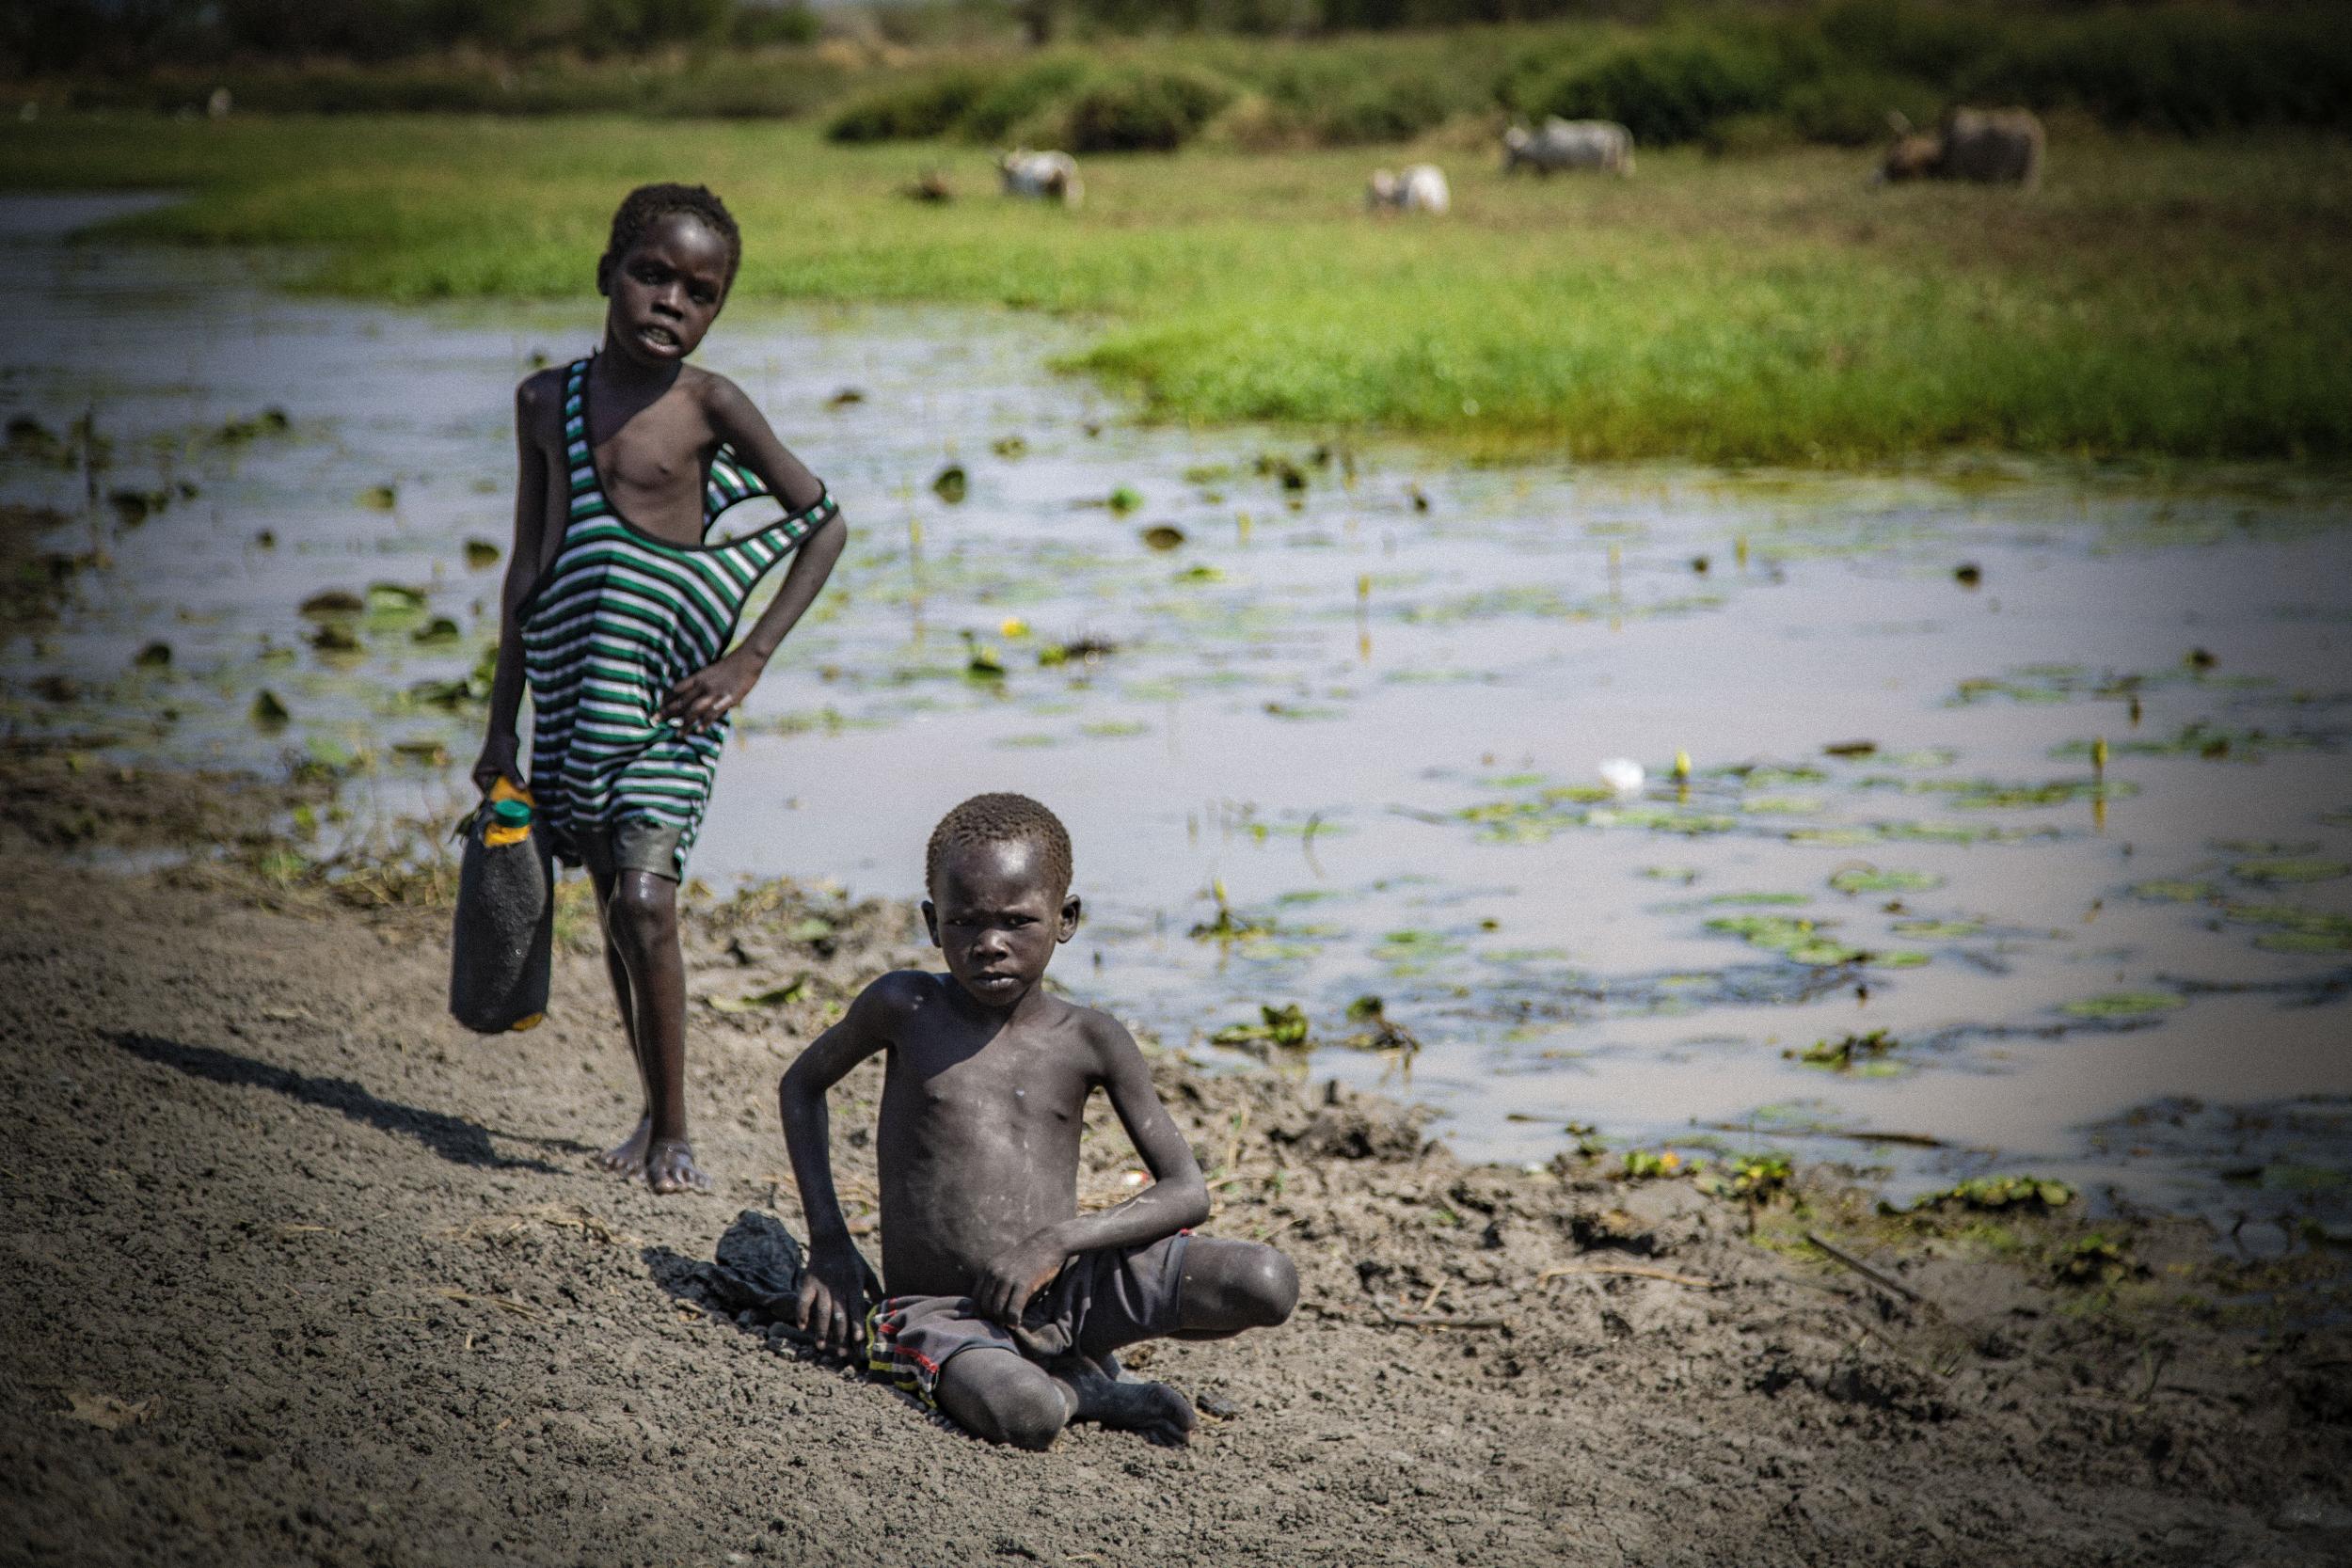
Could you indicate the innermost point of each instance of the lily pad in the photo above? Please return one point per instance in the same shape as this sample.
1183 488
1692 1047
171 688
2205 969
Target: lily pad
379 497
2291 869
481 553
2123 1003
1950 930
393 599
268 712
1870 879
2166 892
949 484
1163 536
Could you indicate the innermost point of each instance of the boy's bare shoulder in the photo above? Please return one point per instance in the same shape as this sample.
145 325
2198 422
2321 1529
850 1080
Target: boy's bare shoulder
712 391
539 400
902 992
1100 1030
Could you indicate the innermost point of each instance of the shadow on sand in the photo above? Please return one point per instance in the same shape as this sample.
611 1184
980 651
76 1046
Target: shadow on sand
454 1138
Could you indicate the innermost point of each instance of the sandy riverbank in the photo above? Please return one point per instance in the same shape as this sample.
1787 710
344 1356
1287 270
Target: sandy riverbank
303 1273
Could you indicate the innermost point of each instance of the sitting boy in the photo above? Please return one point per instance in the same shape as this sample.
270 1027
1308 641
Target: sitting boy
1006 1303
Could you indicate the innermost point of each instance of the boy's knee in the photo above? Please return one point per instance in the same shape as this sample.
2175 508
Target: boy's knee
1266 1287
1030 1417
642 908
1023 1412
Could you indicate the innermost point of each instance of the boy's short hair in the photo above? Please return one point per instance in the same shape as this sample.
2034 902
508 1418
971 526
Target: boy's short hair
648 205
1000 819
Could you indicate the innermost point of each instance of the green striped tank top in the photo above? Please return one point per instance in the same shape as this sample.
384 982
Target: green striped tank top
616 620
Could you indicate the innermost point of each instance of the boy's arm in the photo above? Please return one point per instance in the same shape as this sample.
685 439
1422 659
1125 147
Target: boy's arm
720 687
1176 1200
831 1305
522 570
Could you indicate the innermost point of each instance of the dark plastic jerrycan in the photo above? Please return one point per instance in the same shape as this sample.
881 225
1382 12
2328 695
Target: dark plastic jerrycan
504 928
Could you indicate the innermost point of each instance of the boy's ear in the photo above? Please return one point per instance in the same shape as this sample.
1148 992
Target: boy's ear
931 921
604 275
1072 912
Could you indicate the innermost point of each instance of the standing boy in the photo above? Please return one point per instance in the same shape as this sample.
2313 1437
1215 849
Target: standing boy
1007 1302
620 614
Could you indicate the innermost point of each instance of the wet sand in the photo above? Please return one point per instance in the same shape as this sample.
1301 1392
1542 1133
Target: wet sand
303 1273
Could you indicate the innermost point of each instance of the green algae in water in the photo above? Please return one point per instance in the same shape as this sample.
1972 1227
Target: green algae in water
2123 1003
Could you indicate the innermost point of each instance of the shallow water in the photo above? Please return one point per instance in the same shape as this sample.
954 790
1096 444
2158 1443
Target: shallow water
1376 727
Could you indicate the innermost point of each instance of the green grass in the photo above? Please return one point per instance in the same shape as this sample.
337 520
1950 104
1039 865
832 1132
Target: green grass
2155 297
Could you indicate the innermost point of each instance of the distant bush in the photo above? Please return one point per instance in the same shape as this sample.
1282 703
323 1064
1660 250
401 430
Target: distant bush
1384 112
757 25
1669 89
2179 68
1904 38
1023 98
1144 111
927 106
1849 108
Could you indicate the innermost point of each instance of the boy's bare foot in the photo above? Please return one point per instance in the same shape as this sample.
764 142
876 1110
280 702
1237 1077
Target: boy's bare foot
627 1157
1154 1409
670 1167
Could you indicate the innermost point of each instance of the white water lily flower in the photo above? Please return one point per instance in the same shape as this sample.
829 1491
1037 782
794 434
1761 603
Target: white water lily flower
1622 774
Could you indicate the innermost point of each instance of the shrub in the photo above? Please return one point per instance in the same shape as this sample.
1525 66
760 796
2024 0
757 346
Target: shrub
1903 39
1021 98
2176 69
1671 89
1145 111
1849 108
1385 111
789 22
927 107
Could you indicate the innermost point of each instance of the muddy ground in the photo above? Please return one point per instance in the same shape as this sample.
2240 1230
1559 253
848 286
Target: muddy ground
300 1272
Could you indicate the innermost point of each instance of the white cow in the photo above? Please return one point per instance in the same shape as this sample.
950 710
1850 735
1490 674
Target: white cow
1422 188
1046 176
1601 144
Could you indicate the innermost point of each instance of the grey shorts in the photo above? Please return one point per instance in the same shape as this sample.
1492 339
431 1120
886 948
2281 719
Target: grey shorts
1099 1302
632 843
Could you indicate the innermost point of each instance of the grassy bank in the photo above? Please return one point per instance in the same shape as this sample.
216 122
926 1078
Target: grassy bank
2155 297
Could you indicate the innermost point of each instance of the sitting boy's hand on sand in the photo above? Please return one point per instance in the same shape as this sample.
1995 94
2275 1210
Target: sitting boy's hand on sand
1010 1280
715 690
833 1300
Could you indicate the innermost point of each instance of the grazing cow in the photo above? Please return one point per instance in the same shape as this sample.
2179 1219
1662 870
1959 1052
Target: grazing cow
1601 144
1422 188
1046 176
1993 147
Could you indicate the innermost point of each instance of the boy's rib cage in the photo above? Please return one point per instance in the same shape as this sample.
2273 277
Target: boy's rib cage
618 619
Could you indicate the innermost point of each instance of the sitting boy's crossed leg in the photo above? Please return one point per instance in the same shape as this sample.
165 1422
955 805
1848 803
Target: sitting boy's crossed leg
1002 1395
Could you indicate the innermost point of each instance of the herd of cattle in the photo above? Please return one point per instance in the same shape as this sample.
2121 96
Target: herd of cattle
1987 146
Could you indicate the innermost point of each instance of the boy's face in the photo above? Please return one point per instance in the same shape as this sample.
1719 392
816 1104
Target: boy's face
997 916
665 290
